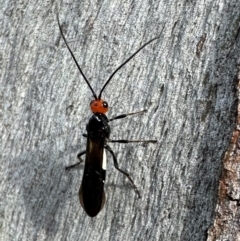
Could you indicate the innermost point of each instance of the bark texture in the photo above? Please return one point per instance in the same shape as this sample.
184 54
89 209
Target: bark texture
186 80
226 223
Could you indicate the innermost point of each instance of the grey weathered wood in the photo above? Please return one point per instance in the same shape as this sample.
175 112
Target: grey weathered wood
186 80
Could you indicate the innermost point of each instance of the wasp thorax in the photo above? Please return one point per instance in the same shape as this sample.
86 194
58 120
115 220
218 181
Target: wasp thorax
99 106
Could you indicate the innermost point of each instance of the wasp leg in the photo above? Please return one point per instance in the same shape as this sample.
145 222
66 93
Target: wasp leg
125 115
120 170
132 141
79 158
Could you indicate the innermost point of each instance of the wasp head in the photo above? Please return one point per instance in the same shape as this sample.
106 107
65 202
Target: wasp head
99 106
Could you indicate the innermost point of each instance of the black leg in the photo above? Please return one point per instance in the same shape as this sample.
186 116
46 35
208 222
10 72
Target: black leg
79 158
125 115
120 170
131 141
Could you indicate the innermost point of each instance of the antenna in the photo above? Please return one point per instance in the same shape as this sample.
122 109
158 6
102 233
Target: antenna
143 46
94 95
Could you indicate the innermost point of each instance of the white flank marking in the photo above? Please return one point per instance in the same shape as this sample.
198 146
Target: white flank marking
104 163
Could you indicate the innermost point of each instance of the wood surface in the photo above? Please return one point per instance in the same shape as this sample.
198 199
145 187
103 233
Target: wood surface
186 80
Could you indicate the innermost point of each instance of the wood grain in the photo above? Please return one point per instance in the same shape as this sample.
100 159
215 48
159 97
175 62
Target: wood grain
187 85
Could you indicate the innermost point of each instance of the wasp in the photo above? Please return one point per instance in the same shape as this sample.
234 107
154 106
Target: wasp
91 193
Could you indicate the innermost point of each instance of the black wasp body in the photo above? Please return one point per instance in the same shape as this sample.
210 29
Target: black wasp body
91 192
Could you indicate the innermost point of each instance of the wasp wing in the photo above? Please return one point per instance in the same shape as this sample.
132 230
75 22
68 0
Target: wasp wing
91 192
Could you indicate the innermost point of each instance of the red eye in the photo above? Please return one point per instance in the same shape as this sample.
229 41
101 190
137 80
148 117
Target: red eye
99 106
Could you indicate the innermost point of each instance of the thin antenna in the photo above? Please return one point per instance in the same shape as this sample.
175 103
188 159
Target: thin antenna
94 95
99 97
